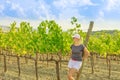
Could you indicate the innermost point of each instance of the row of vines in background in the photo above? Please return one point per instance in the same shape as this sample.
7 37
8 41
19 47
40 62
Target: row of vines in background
104 43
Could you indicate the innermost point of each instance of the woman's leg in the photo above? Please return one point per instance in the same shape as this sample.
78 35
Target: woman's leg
71 73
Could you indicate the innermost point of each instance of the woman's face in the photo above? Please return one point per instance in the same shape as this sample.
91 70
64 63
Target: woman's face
75 39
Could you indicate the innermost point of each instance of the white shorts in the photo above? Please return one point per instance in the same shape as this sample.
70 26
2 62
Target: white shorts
74 64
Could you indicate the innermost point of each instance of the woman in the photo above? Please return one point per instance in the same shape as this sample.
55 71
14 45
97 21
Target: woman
77 50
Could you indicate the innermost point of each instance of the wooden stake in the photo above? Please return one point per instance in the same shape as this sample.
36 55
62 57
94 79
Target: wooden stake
57 70
36 63
18 62
5 66
86 42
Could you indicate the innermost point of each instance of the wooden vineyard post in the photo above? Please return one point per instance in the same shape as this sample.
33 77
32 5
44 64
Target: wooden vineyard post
57 70
26 60
0 55
108 64
0 58
86 41
107 59
109 68
18 62
60 58
5 66
92 62
36 63
47 59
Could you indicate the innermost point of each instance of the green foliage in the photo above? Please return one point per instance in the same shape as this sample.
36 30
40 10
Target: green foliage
47 38
105 43
50 38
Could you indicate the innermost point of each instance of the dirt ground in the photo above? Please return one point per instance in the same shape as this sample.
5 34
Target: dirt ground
49 72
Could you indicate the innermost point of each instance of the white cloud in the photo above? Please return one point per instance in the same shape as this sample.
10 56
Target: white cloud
109 6
65 24
112 4
66 9
16 7
100 15
45 9
70 8
67 14
1 9
88 2
106 25
72 3
8 1
38 9
42 10
6 21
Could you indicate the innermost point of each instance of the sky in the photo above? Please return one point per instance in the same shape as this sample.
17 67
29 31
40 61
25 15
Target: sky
104 13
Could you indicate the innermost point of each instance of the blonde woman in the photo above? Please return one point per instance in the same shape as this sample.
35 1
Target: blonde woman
77 50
